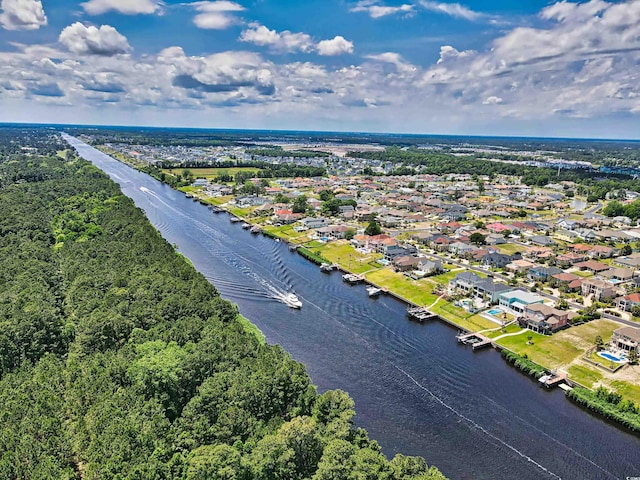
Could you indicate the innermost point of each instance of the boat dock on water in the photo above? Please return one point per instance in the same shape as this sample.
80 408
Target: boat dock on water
327 267
352 279
553 379
255 229
420 314
476 340
233 219
246 226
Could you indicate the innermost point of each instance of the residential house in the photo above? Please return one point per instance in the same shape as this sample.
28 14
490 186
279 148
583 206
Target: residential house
598 288
542 240
540 273
618 275
495 239
592 266
430 267
314 222
626 338
498 260
628 302
586 234
405 263
516 301
518 266
476 286
461 248
569 258
567 281
542 318
378 242
391 252
567 235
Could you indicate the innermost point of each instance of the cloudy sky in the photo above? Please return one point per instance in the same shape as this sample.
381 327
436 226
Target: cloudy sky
499 67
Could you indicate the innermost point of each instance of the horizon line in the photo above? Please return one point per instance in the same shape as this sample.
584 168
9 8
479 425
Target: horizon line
341 132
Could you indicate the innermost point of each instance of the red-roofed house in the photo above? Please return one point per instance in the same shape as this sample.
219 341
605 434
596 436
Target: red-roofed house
497 227
627 302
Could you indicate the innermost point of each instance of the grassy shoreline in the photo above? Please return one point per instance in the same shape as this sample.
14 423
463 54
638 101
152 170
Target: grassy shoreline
421 292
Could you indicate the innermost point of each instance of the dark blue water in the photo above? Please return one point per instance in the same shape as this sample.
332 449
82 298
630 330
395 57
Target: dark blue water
416 390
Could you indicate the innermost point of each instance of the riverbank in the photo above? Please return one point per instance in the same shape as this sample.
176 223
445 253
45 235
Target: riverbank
367 347
563 348
554 353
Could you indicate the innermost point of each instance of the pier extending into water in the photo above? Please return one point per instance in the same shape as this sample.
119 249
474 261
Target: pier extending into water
476 340
421 314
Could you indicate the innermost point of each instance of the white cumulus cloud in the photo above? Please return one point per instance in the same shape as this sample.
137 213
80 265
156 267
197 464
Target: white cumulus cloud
377 11
394 59
105 40
336 46
22 14
452 9
216 15
126 7
492 100
284 41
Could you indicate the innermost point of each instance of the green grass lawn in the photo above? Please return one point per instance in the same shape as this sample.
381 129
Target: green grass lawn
627 390
510 248
445 278
220 200
417 291
562 348
461 317
240 212
514 328
583 273
584 375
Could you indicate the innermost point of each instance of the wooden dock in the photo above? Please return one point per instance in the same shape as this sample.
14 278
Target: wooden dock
352 279
420 314
553 380
476 340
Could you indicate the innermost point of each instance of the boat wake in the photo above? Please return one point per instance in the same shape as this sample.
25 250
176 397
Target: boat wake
478 426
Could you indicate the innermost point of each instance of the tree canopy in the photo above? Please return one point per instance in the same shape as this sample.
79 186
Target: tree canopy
119 361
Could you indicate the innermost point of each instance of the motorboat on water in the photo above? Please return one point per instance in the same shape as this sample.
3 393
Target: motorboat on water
374 291
292 300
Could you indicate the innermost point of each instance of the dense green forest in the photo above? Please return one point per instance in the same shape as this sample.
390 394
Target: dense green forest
119 361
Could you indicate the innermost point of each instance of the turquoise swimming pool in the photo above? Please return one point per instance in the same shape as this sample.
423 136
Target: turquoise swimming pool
495 311
611 356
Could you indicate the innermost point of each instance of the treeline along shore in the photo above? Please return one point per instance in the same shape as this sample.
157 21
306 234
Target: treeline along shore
118 360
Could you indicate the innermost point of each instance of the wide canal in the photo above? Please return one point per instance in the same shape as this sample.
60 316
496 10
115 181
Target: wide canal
416 390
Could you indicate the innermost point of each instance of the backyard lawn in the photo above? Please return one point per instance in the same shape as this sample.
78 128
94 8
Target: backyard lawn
416 291
510 248
562 348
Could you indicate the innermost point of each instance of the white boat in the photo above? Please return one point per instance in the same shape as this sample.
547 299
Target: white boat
374 291
292 300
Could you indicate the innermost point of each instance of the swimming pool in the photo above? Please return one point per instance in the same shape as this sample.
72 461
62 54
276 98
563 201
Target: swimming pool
612 357
495 311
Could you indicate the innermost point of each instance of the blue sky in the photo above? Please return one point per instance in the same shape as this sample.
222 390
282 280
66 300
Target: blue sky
501 67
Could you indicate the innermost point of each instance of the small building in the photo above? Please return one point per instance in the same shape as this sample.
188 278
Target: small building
626 338
516 301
